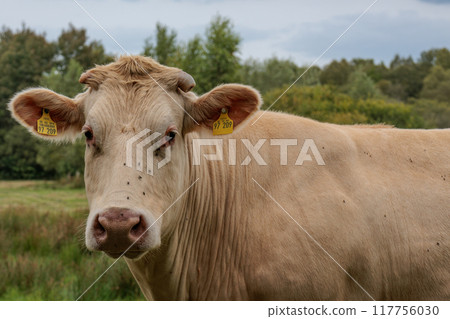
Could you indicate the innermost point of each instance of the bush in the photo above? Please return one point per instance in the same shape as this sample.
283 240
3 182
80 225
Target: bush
324 104
435 114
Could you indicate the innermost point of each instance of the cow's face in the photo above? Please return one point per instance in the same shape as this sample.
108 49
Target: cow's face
134 113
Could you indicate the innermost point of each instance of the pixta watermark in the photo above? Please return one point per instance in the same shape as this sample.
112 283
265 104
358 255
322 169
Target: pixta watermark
253 151
150 143
144 144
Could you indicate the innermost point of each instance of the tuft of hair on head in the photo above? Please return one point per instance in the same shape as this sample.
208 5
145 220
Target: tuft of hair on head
138 69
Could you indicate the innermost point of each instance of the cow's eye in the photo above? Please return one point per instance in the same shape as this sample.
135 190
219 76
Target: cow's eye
169 140
87 131
89 135
172 135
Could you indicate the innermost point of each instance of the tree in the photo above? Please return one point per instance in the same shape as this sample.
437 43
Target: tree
193 61
311 77
211 61
165 48
24 56
437 85
59 160
435 114
269 74
273 73
361 86
443 58
336 73
407 76
72 44
434 57
18 155
221 48
375 71
64 83
396 91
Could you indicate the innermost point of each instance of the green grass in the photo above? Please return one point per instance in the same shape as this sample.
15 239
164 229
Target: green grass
42 250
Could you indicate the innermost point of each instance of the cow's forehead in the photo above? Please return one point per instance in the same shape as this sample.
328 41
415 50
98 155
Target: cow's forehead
135 90
140 105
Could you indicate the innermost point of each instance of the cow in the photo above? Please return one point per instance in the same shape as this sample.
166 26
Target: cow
360 213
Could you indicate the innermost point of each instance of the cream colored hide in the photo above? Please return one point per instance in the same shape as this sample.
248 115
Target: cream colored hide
374 199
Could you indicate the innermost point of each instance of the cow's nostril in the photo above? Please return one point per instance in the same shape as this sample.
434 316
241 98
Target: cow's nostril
136 229
99 230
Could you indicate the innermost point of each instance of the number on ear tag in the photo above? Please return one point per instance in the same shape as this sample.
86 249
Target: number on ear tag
224 125
45 124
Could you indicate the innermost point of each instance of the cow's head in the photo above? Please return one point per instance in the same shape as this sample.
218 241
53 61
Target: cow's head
123 99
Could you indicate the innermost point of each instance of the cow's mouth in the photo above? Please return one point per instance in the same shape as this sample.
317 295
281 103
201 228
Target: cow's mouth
131 254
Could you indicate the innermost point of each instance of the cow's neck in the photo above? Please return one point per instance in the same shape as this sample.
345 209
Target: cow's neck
190 255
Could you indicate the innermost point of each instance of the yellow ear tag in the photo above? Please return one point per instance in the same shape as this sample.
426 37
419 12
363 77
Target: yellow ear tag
224 125
45 124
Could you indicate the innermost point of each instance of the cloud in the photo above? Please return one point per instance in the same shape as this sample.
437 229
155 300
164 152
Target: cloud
376 36
437 1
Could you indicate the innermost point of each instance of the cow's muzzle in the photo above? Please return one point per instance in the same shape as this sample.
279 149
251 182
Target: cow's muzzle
121 231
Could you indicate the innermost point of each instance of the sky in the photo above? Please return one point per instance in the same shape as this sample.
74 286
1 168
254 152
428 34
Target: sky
300 30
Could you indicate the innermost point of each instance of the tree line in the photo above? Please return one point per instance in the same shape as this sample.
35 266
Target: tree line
406 93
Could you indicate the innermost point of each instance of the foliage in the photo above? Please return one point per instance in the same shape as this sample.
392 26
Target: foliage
375 71
211 60
407 76
59 160
434 57
437 85
72 44
324 104
18 154
336 73
435 114
221 47
64 82
361 86
273 73
165 48
192 61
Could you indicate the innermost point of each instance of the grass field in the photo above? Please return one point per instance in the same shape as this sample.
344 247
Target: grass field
42 250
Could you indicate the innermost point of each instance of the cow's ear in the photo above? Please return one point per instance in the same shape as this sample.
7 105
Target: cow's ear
239 100
28 106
